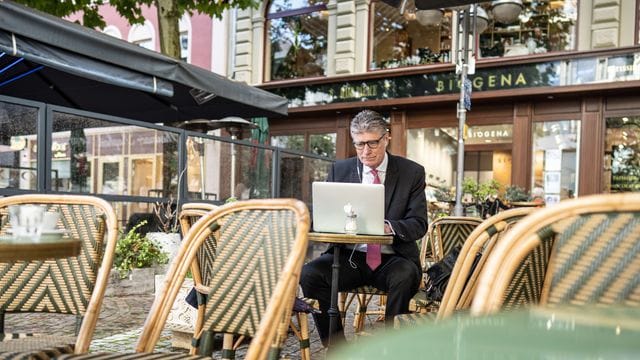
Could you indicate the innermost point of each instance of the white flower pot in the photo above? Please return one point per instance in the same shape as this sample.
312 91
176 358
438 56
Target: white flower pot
169 242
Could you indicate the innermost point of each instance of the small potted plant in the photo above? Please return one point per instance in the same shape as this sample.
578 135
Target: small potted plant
135 251
168 235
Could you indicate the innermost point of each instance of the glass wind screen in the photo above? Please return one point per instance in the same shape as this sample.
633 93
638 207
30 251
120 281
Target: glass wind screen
104 157
18 150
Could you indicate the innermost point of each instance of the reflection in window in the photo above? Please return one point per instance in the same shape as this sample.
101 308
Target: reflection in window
408 39
555 160
622 154
297 33
18 151
318 144
541 27
97 156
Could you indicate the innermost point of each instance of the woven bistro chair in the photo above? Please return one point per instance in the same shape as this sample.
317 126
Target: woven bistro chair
72 285
580 251
192 212
443 235
250 254
463 281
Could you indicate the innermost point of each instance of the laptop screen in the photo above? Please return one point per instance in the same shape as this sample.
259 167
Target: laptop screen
366 200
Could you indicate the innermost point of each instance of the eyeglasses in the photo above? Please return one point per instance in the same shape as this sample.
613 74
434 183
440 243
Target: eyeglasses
371 143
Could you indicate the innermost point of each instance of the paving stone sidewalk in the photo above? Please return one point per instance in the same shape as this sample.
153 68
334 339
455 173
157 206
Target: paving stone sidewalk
122 318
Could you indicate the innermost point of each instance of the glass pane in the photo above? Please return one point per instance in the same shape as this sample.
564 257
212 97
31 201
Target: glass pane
18 151
298 172
555 161
541 27
291 142
227 170
97 156
323 144
298 45
414 38
622 154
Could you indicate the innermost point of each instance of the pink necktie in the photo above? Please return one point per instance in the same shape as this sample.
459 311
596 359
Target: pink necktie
374 257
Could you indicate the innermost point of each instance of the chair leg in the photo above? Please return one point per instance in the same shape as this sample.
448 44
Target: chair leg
303 336
361 313
228 351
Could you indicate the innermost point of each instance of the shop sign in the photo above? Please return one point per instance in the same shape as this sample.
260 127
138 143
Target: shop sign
488 134
555 73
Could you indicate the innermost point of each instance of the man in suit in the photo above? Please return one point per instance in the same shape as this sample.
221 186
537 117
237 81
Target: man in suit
394 268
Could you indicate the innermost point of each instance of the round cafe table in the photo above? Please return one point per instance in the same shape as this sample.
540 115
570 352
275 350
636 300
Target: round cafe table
564 332
338 240
47 247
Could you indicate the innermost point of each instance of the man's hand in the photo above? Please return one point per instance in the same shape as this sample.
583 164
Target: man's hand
387 229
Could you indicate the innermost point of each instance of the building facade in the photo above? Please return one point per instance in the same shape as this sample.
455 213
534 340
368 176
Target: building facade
554 98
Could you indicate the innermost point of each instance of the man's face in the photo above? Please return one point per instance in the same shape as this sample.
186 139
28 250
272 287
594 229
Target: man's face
370 147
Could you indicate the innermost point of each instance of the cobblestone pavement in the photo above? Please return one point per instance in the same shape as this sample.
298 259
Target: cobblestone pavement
122 318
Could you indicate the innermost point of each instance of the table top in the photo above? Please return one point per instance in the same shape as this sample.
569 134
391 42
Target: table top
580 332
45 248
335 238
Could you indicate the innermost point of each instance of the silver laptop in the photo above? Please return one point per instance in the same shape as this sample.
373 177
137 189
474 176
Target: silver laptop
330 198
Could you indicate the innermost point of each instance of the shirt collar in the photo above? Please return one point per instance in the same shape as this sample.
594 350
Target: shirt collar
381 168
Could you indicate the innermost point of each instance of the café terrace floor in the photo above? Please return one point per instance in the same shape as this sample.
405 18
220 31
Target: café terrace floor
123 316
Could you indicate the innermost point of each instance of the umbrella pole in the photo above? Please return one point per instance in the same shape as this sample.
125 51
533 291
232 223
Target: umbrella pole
462 68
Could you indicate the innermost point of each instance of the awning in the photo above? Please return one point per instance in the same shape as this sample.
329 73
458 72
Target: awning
58 62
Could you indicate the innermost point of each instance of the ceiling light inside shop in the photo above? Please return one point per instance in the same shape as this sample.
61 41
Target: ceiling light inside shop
429 17
506 11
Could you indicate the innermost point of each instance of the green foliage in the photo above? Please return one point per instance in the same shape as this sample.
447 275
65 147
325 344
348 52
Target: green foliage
134 251
515 193
480 192
132 11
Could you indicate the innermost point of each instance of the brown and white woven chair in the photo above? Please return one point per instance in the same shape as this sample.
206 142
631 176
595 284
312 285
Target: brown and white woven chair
580 251
192 212
72 285
252 252
463 281
443 235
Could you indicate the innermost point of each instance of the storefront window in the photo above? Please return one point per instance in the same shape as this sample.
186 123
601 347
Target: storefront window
297 39
436 149
413 38
622 154
541 27
555 159
18 151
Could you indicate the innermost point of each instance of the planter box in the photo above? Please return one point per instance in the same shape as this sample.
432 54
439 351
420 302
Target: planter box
137 283
181 320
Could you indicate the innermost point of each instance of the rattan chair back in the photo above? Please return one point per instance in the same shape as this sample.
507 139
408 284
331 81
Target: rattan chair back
580 251
476 249
189 215
72 285
255 266
446 233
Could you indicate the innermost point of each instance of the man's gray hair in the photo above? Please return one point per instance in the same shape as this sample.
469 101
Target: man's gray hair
368 121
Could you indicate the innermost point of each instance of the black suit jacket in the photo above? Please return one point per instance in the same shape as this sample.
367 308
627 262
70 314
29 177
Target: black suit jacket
404 198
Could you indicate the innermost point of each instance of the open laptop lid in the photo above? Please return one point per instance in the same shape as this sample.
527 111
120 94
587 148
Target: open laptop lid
329 199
